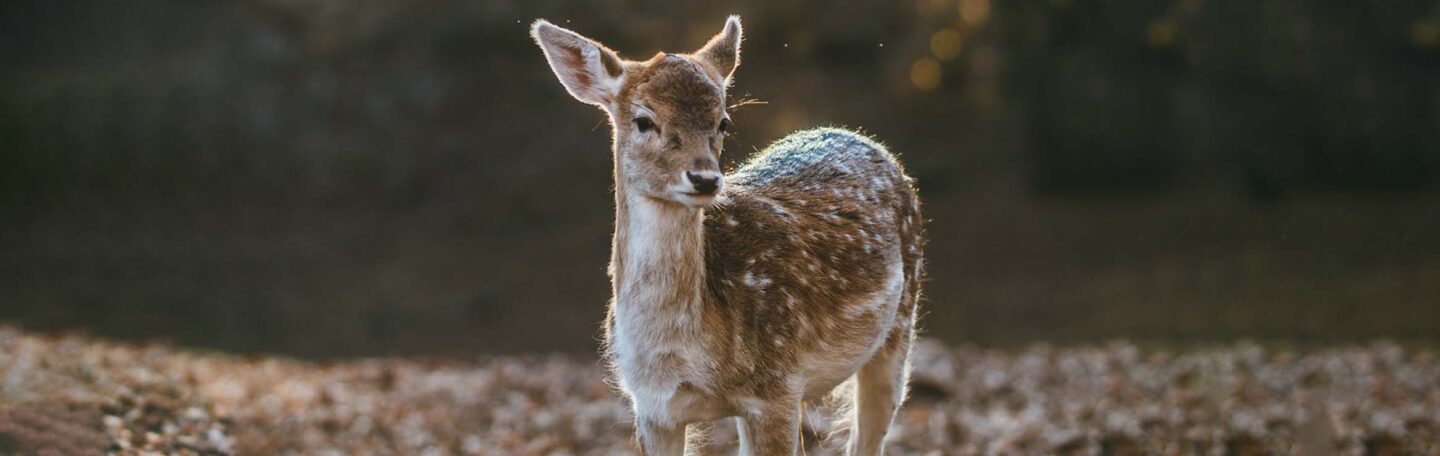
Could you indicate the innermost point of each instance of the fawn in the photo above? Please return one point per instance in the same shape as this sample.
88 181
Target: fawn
745 295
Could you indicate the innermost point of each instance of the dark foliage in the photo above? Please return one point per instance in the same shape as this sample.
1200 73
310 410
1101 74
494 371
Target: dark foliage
406 176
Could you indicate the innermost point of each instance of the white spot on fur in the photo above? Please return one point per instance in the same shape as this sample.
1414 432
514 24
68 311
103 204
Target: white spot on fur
887 294
755 281
778 209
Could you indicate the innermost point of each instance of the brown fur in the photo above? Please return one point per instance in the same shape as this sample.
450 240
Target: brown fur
818 251
804 271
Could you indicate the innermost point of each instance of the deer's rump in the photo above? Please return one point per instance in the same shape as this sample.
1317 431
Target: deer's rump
814 248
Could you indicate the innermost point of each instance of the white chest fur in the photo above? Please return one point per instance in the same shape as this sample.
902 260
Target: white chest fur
657 339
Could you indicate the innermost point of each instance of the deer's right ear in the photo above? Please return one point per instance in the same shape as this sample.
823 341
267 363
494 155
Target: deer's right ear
589 71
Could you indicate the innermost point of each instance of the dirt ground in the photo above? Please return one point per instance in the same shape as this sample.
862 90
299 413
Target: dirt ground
71 394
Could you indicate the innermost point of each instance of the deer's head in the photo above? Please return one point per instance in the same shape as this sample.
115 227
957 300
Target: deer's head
668 112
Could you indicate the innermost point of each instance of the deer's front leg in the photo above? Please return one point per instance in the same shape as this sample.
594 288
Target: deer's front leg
746 436
774 429
660 439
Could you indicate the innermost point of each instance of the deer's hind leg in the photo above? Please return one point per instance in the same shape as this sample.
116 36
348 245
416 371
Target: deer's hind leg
879 391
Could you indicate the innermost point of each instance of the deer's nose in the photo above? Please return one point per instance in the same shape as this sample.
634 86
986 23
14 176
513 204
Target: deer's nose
705 182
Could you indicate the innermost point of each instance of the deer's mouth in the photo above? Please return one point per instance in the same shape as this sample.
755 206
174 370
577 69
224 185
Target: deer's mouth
697 199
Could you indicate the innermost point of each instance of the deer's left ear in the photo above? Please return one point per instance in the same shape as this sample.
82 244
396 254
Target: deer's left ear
723 50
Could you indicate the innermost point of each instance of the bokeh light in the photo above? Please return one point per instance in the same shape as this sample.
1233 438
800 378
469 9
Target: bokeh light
931 7
974 12
946 44
1425 33
1161 33
925 74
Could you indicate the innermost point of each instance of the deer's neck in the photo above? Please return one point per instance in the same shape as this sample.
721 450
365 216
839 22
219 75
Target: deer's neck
658 258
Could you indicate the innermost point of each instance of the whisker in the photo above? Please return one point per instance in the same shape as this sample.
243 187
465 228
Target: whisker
747 102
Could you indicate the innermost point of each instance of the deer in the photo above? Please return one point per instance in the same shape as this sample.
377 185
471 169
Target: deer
794 278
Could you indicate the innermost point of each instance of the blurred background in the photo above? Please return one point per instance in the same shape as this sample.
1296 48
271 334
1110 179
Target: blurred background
373 177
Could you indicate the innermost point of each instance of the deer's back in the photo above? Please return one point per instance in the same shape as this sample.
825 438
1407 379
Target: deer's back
811 249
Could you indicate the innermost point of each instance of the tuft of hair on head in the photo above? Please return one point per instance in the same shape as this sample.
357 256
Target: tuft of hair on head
590 72
722 52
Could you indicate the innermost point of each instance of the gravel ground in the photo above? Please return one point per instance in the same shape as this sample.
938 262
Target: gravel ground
69 394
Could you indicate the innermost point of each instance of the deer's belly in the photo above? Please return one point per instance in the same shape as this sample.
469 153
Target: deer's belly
822 373
835 359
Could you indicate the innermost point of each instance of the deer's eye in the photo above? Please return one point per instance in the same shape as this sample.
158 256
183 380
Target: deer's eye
644 124
724 125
